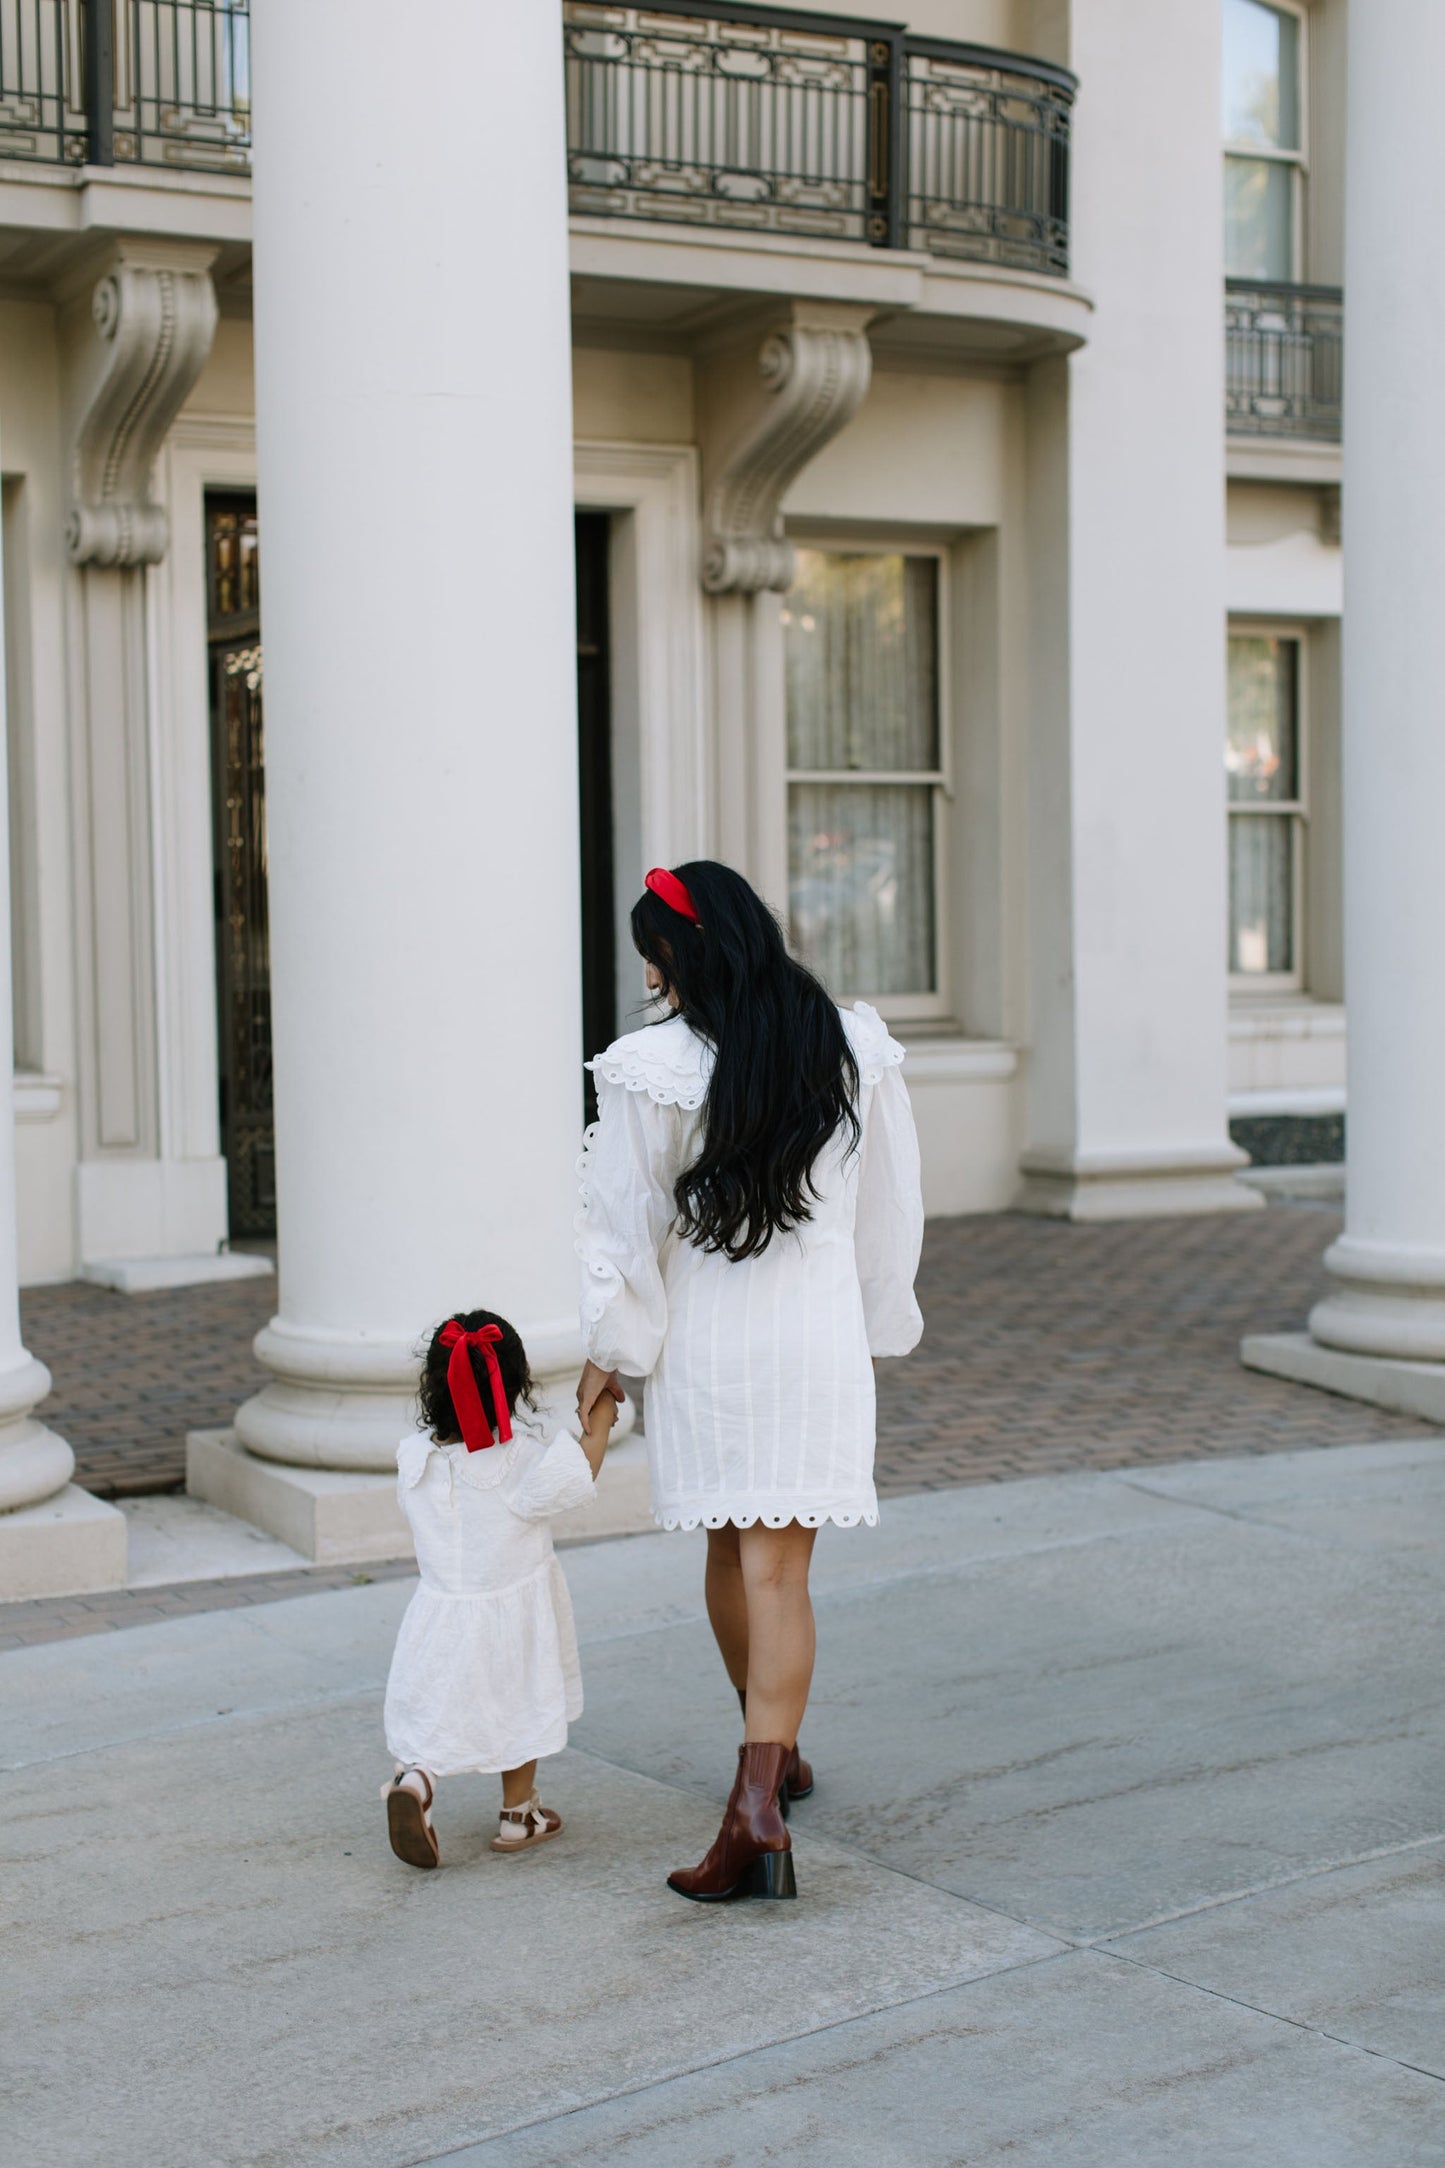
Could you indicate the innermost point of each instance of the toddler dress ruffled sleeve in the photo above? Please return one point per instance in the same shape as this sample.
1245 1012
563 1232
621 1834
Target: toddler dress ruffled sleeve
552 1481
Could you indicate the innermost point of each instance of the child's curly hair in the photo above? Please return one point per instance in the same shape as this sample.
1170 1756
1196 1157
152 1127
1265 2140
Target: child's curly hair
437 1412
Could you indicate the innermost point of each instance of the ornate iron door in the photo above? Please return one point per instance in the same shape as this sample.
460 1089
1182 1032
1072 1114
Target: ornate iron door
238 770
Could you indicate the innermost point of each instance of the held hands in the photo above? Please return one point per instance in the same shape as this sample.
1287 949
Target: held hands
592 1383
600 1416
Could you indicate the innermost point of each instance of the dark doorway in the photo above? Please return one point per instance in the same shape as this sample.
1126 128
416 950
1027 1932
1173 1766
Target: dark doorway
238 793
594 758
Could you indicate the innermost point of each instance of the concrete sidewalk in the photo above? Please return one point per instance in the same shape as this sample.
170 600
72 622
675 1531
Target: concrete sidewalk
1128 1847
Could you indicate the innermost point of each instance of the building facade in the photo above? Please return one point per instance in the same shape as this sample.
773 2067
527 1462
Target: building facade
951 541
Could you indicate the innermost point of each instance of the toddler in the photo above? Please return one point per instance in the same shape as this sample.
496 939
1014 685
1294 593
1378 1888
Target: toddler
485 1673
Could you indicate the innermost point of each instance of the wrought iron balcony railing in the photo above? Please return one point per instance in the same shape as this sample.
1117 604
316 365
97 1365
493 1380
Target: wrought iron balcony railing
767 120
1283 352
106 82
758 119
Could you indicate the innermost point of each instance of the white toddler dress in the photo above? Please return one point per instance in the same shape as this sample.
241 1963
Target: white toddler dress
760 1389
485 1672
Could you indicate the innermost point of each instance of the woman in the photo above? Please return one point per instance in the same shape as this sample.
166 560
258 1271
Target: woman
749 1235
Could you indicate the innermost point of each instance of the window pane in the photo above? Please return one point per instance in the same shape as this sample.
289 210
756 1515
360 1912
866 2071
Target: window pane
1261 893
860 872
860 641
1261 754
1261 75
1258 219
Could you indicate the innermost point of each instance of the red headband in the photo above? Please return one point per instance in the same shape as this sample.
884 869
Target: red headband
673 893
462 1384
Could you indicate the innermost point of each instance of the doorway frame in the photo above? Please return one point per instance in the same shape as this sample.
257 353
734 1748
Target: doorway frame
202 452
661 750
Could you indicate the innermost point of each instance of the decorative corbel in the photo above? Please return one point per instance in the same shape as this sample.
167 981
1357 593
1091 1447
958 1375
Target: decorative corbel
813 376
155 327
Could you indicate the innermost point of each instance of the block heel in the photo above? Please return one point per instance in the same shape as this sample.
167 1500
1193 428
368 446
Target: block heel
751 1856
773 1876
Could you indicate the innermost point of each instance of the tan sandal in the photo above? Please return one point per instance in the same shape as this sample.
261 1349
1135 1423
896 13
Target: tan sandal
408 1819
522 1827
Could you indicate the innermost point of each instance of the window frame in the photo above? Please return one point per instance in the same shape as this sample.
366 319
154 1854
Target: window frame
1298 160
1247 985
938 1006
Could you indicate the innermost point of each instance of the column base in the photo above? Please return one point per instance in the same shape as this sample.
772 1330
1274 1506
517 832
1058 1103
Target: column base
1407 1388
149 1207
338 1517
71 1545
337 1403
332 1403
1384 1300
1129 1185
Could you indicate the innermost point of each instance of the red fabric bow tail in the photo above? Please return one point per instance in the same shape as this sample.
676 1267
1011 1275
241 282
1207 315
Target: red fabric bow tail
462 1384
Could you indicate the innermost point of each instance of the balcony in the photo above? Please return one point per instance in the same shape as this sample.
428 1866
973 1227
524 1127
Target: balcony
1283 348
749 120
765 121
148 83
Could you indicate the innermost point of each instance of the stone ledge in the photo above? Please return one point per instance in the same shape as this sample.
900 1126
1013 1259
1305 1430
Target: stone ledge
1408 1388
146 1275
68 1545
332 1517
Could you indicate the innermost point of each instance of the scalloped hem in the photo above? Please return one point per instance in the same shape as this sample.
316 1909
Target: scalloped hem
741 1517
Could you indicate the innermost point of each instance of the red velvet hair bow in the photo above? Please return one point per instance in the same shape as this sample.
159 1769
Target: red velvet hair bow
462 1384
673 893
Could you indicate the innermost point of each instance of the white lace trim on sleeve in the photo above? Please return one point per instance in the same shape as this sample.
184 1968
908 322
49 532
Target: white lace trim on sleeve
874 1049
667 1061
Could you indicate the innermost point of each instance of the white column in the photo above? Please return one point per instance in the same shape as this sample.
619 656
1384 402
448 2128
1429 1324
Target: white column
1126 1084
35 1464
414 438
1387 1296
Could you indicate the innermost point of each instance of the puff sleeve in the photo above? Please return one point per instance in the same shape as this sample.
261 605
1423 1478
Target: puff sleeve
628 1170
888 1227
552 1481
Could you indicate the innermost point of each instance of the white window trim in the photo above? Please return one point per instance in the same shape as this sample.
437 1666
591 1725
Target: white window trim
1299 159
939 1005
1269 985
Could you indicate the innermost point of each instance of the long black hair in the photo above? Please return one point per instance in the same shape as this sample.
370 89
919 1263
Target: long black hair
437 1411
784 1079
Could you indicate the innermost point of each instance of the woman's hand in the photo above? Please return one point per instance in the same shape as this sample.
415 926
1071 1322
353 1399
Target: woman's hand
593 1383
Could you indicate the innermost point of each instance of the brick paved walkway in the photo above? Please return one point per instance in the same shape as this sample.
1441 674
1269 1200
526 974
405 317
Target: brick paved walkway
1048 1347
134 1373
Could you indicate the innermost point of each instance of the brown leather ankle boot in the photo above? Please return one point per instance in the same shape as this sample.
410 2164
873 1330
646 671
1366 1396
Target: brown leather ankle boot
797 1777
752 1854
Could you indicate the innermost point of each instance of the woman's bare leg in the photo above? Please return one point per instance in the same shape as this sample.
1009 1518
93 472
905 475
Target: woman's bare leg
780 1634
727 1603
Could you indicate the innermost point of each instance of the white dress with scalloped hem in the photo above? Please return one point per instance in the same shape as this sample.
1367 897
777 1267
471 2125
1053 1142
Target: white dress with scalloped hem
759 1381
485 1673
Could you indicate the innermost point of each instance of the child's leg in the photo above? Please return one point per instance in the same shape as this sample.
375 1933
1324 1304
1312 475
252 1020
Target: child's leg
524 1820
517 1784
727 1602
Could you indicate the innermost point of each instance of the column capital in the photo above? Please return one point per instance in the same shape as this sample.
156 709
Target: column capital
154 317
810 376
